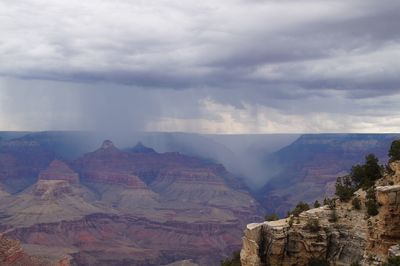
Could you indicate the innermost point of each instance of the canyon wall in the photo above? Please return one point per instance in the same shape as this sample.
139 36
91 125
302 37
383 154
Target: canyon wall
338 234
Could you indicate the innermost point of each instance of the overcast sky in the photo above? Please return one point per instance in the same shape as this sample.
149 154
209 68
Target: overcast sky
227 66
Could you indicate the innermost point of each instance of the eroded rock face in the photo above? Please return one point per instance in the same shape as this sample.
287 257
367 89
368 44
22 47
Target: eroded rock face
342 235
282 243
104 239
385 227
131 208
308 168
10 251
58 170
12 254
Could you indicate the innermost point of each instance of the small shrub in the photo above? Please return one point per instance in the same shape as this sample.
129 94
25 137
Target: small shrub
317 204
312 225
291 219
233 261
300 207
271 217
318 262
372 207
333 217
344 188
356 202
371 204
330 202
326 201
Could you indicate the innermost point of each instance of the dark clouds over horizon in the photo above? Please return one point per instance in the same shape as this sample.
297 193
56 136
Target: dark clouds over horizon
212 66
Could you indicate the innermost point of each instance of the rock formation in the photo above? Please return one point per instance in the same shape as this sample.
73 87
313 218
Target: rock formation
140 148
307 169
339 234
114 207
12 254
20 163
58 170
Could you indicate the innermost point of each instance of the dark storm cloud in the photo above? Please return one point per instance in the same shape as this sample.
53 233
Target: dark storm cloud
192 62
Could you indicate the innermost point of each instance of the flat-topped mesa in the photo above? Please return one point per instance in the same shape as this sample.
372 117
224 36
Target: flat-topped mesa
58 170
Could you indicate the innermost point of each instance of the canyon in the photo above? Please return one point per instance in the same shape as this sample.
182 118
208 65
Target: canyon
306 170
66 198
114 207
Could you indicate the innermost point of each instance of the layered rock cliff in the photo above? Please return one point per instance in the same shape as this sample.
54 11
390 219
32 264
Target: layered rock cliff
137 207
307 169
338 234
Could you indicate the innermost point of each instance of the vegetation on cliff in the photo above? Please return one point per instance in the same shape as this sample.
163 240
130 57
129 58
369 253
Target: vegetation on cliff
359 227
300 207
394 151
271 217
361 176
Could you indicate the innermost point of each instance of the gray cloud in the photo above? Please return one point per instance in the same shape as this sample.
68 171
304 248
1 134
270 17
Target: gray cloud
200 66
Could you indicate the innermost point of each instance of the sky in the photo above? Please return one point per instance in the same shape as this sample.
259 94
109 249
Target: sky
227 66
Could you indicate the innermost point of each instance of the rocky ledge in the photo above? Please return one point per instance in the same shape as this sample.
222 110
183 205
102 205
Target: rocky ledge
338 234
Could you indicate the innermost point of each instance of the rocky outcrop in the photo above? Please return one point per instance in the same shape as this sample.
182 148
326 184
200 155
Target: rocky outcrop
12 254
385 227
10 251
341 235
283 243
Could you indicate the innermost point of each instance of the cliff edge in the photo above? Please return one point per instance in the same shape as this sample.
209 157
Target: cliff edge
340 233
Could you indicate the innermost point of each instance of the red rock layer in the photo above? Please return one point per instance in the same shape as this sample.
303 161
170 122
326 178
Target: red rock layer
110 165
58 170
108 238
